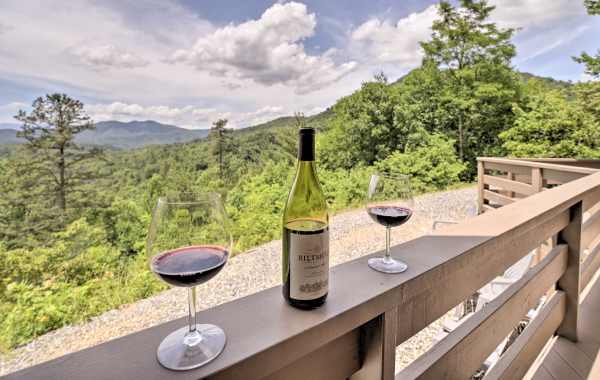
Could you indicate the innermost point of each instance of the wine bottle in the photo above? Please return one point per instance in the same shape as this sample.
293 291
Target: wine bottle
305 261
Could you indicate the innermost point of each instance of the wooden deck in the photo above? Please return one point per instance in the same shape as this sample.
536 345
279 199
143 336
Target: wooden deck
563 359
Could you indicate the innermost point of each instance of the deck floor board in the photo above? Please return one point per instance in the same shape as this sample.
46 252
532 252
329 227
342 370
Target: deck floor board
581 360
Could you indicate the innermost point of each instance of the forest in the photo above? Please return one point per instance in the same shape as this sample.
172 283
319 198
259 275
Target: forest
73 219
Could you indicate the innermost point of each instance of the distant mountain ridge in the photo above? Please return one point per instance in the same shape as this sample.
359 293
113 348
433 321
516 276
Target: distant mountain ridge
123 135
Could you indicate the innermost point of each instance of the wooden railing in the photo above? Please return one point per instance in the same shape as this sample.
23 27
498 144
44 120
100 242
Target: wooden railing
368 314
502 181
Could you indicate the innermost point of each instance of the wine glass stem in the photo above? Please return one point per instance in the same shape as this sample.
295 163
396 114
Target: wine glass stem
192 308
387 243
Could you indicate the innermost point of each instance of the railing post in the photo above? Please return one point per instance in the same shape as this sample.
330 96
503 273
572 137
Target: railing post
570 280
510 176
537 182
378 348
480 186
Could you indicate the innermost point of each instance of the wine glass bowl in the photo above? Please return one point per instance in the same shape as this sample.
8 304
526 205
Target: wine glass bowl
389 203
188 243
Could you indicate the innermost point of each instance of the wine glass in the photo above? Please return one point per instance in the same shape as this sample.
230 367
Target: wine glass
189 242
389 203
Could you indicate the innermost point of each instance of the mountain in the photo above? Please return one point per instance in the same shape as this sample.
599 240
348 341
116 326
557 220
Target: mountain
9 126
9 136
133 134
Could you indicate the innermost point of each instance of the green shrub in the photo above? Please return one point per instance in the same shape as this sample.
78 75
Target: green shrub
431 164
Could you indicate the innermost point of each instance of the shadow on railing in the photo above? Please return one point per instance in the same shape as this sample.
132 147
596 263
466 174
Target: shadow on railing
368 314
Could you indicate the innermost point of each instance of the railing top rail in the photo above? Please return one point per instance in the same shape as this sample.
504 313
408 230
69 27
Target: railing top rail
544 164
265 334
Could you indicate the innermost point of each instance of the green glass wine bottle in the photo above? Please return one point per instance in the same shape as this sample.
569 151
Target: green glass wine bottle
305 261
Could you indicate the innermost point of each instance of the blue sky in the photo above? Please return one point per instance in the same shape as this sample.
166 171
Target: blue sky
190 62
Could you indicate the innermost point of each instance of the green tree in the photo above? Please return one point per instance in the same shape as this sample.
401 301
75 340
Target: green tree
363 129
592 63
66 168
551 126
430 161
479 86
221 137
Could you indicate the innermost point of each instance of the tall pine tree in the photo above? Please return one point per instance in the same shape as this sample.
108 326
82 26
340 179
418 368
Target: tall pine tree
221 137
55 179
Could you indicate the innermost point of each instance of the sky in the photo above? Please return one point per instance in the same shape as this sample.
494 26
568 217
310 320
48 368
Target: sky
188 63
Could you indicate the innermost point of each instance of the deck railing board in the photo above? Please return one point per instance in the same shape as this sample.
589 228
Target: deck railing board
515 362
438 290
518 165
461 353
498 198
517 187
368 313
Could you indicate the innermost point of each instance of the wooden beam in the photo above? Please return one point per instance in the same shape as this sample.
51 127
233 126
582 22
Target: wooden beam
562 176
497 198
378 348
506 167
463 351
515 362
536 164
517 187
570 282
487 208
343 351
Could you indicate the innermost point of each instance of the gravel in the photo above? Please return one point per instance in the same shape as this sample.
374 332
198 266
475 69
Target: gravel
353 234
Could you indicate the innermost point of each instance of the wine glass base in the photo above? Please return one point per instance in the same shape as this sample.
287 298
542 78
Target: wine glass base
174 354
387 265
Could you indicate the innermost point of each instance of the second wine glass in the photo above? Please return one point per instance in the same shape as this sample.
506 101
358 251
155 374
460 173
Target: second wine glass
389 203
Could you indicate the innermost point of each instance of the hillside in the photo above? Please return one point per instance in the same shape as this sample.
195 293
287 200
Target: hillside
116 134
135 134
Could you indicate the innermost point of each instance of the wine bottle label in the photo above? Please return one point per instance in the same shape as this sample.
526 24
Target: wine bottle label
309 265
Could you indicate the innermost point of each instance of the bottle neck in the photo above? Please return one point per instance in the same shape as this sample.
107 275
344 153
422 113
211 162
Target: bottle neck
306 147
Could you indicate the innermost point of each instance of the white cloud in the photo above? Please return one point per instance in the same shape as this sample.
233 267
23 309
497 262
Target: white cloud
107 56
268 51
4 28
9 110
381 41
535 13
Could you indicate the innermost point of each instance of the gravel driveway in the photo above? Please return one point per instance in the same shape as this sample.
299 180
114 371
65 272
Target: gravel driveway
353 234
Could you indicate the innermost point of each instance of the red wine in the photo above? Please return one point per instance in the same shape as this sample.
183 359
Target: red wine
389 216
190 266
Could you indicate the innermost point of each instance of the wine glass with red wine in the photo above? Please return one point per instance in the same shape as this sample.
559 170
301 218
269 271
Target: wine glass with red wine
189 242
389 203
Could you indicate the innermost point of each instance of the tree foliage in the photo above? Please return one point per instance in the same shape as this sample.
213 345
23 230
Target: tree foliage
478 86
549 125
591 62
52 180
221 144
